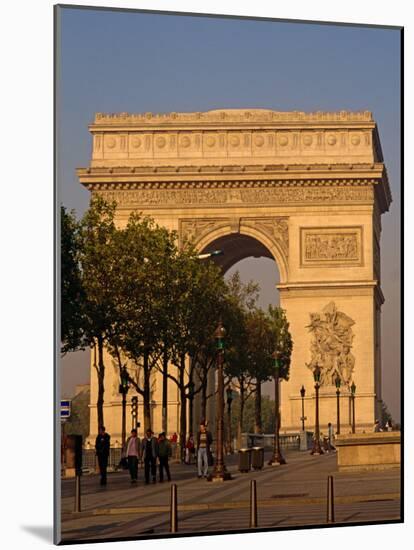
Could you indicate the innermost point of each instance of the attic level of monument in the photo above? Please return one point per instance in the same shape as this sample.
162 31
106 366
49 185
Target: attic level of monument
237 149
228 137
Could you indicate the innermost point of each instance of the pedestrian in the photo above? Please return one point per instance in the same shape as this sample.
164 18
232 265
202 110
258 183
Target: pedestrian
133 452
149 452
377 426
173 441
204 440
164 453
102 446
331 437
189 449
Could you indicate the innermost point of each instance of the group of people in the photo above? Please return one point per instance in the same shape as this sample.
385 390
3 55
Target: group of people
152 450
149 451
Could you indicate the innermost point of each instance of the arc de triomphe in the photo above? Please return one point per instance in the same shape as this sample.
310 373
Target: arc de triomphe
306 189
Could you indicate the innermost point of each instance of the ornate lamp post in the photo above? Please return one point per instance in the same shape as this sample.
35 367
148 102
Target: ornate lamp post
338 410
353 389
229 393
277 457
303 417
219 472
317 449
123 390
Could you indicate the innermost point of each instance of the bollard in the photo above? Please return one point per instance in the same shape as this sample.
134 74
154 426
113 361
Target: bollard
330 512
253 504
173 509
77 493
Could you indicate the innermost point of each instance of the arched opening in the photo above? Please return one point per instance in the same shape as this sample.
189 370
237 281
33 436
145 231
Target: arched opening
254 262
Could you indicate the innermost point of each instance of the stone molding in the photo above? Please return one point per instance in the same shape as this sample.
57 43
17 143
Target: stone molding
276 228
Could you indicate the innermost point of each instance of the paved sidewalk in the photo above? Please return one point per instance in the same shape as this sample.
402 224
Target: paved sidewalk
289 495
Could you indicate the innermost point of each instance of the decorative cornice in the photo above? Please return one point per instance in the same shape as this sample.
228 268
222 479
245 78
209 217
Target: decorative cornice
232 115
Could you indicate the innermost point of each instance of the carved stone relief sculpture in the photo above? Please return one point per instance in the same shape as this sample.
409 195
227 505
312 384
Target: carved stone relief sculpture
331 345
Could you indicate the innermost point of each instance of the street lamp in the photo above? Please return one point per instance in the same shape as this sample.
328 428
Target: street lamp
123 390
338 411
229 393
303 417
317 449
353 389
219 472
209 254
277 457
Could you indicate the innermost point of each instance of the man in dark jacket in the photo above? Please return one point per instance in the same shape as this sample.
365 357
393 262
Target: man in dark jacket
149 453
102 446
164 453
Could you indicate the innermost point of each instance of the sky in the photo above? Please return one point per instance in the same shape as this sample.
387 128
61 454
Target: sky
113 61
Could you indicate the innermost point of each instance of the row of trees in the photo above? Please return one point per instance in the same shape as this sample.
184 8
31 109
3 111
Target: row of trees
133 292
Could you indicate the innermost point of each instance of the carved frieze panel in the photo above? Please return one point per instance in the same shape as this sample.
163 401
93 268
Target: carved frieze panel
331 345
276 228
193 230
331 247
227 196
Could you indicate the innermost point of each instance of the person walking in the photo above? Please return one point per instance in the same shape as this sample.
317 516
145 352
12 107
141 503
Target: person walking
377 426
174 446
102 446
204 440
189 449
149 452
133 453
164 453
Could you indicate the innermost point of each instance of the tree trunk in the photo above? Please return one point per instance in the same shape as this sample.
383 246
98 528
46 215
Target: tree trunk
147 393
258 409
241 415
183 410
101 387
165 392
203 404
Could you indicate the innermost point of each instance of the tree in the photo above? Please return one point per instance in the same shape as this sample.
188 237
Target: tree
97 257
240 300
260 346
197 289
144 307
72 292
282 345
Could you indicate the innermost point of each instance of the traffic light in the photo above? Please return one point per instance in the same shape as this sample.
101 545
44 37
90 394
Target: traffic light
134 406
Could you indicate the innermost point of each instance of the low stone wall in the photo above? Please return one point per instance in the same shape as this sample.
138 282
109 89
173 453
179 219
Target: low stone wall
368 451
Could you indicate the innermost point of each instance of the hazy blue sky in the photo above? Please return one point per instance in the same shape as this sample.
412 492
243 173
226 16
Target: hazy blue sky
121 61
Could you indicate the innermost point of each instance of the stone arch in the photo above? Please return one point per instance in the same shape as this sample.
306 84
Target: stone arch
248 229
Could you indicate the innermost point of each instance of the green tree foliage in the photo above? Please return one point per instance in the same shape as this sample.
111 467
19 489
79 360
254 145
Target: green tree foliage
260 347
98 258
248 423
72 294
240 302
282 339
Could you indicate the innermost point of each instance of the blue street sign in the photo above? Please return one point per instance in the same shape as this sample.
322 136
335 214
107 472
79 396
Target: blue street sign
65 405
